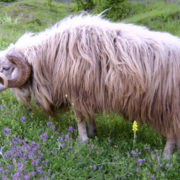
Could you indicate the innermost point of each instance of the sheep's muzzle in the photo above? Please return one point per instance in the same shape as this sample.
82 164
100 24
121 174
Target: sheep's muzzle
23 69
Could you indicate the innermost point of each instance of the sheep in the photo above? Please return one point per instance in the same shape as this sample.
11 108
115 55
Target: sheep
99 66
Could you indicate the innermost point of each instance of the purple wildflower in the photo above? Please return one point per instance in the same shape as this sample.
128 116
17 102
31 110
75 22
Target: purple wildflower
133 152
67 137
115 158
33 143
140 160
22 118
45 134
71 128
1 107
19 164
148 174
167 165
93 167
16 176
48 123
90 149
41 136
62 145
152 177
36 102
101 167
9 165
39 168
137 169
26 177
59 138
145 147
33 173
7 131
53 127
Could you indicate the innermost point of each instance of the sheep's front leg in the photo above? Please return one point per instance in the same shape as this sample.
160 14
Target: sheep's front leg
91 126
169 147
81 127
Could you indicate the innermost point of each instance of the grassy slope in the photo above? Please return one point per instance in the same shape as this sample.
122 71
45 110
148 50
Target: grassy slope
111 149
28 15
160 16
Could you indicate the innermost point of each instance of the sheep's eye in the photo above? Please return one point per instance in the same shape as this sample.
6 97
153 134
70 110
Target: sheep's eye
6 68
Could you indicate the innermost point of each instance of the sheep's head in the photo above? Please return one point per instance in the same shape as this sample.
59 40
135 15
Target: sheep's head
14 70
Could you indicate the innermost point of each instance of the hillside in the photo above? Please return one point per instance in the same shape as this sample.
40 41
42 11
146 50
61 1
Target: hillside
28 15
159 15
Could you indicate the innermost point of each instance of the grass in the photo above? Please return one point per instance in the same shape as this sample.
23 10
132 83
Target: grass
159 15
34 146
31 15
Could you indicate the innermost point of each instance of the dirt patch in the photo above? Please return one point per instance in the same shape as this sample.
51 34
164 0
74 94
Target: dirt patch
24 6
6 3
25 16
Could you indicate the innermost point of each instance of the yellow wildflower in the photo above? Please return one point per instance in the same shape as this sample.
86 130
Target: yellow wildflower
66 95
135 126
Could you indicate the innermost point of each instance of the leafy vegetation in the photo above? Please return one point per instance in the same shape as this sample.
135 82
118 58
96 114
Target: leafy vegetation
7 0
84 4
34 146
114 9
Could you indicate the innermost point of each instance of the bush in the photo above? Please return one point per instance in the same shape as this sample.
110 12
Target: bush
116 9
7 0
84 4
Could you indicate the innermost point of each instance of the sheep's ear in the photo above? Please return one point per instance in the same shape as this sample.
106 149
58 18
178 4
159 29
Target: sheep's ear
23 69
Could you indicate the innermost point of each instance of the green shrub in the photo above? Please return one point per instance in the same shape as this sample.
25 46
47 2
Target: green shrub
113 9
7 0
84 4
116 9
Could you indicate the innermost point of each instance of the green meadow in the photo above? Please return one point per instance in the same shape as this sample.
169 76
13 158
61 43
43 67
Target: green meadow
35 146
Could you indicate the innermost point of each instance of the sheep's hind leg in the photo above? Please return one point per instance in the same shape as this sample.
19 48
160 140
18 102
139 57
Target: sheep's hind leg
169 147
178 144
91 127
81 127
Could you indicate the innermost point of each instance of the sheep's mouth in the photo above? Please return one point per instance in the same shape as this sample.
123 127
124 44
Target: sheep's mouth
3 82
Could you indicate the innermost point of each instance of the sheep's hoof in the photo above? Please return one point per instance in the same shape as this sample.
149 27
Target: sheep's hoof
166 155
92 133
83 139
